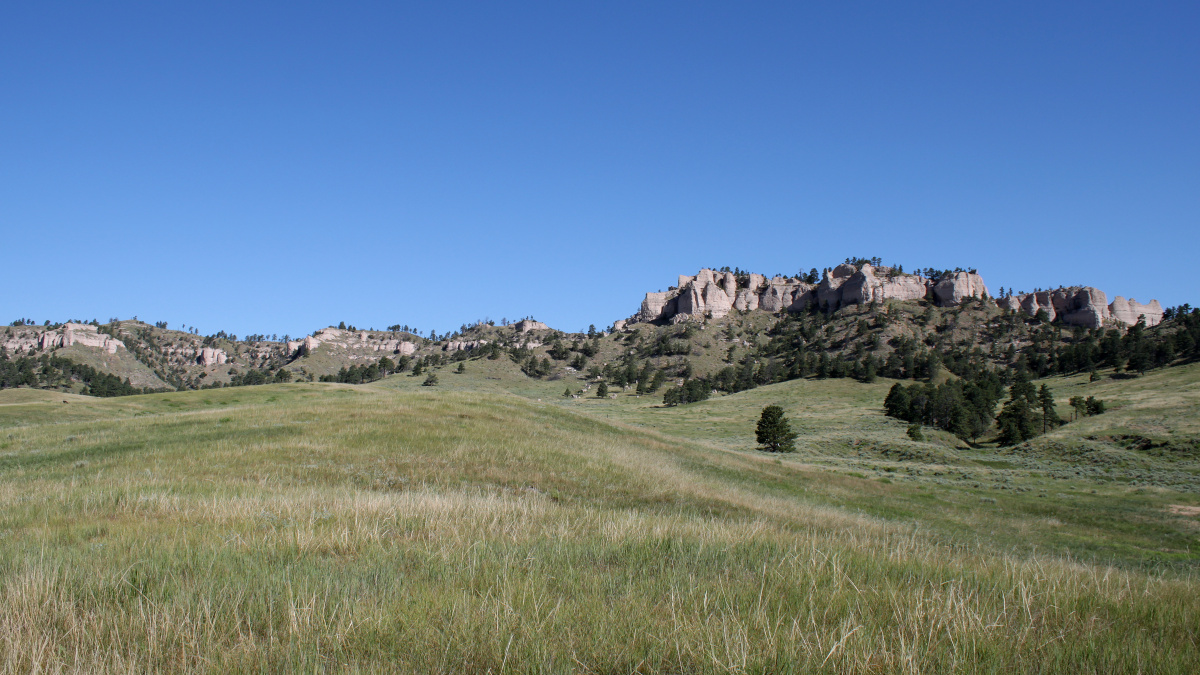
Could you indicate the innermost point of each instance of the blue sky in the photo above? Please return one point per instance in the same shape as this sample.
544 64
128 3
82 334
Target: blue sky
274 168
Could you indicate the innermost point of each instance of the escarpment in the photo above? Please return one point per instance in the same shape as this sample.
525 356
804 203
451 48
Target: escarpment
714 294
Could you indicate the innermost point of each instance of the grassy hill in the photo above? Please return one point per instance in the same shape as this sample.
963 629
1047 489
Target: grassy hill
473 527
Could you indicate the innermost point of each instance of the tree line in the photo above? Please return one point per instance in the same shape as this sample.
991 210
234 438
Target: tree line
55 372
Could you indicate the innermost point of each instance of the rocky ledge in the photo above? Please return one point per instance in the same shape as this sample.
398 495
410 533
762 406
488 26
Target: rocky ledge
714 294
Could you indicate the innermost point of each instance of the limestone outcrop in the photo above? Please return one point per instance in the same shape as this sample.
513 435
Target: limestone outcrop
210 356
79 334
713 294
1083 306
1129 311
526 325
352 341
462 345
951 290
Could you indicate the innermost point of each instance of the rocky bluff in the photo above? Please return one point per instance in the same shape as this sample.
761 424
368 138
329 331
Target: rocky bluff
713 294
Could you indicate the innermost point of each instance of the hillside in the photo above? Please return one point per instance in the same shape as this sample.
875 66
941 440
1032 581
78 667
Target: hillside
310 526
732 329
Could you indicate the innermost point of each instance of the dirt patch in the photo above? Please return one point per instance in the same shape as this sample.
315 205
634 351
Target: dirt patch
1182 510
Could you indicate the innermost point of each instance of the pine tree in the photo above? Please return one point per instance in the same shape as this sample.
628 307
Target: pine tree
430 381
773 431
602 390
1046 403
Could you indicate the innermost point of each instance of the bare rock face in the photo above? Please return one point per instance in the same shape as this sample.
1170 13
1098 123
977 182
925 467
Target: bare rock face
80 334
861 287
656 306
703 297
776 297
461 345
844 271
1083 306
746 299
1129 311
1041 301
1011 303
904 287
210 356
959 286
871 284
716 294
526 325
728 284
829 291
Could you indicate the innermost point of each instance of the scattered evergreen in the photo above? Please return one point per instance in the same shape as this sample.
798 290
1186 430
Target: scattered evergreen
963 408
56 372
773 432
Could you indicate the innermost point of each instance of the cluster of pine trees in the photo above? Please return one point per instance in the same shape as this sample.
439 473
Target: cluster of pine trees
368 373
964 408
967 408
55 372
1137 349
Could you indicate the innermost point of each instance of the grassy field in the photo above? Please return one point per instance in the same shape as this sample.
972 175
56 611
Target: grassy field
472 527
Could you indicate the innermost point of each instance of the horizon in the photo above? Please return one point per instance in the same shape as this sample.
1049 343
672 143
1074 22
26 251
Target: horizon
273 169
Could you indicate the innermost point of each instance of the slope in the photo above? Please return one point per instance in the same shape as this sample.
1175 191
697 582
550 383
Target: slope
330 527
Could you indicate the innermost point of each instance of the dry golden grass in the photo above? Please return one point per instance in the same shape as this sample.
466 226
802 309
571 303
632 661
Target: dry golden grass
323 528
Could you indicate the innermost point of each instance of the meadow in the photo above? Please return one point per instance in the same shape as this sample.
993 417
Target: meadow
467 528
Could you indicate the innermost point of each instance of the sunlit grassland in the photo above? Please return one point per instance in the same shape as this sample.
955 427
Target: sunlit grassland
330 527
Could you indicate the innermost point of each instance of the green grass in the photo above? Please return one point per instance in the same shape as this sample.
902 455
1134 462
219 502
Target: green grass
472 527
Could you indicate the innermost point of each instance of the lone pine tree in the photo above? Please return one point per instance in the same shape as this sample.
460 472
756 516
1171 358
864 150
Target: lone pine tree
773 431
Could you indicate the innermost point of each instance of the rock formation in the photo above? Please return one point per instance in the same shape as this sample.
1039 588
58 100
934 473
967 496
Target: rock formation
462 345
210 356
952 289
1128 311
79 334
354 341
1083 306
712 294
526 325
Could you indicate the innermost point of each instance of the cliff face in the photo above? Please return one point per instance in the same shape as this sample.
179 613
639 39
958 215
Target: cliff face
712 294
353 341
36 337
1084 306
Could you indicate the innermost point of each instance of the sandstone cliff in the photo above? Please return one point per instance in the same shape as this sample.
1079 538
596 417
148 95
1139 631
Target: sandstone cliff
36 337
713 294
337 338
1083 306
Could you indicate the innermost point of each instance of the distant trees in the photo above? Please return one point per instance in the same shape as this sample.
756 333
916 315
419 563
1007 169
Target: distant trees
773 431
1017 420
1086 407
965 409
691 391
56 372
368 372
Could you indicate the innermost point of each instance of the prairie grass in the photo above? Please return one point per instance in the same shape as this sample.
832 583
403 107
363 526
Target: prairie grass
312 527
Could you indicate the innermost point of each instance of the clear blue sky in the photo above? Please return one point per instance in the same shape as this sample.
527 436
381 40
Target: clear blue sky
275 168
